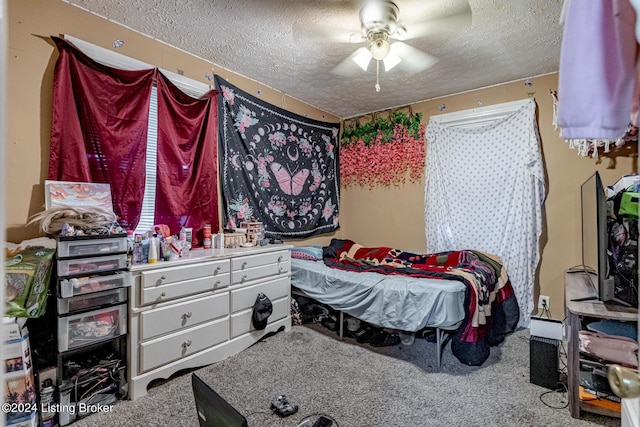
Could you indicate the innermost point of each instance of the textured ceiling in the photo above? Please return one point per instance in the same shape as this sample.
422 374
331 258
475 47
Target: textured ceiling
292 45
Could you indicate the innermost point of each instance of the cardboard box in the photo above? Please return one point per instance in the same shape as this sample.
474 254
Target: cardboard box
20 391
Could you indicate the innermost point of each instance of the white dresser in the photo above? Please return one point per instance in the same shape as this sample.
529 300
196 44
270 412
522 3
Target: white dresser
196 311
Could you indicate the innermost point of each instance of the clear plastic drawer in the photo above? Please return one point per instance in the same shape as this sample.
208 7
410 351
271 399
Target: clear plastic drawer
91 327
95 283
93 300
72 267
89 247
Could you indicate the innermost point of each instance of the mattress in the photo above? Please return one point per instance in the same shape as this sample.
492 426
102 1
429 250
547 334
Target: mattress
391 301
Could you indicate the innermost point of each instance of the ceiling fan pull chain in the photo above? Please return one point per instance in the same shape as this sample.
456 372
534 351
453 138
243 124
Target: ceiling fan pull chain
377 76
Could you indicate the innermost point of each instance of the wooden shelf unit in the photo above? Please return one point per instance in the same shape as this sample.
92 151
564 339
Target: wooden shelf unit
576 286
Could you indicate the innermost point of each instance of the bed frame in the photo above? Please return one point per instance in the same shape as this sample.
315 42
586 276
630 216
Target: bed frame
443 291
442 333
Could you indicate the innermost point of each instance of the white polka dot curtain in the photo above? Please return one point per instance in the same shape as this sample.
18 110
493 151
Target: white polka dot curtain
485 189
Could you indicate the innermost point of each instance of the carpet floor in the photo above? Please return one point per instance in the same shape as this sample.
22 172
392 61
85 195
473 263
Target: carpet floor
360 386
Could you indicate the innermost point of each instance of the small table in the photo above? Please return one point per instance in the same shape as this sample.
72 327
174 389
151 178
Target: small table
576 286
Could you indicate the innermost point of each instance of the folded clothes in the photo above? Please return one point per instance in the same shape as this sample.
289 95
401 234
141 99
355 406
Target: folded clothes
615 327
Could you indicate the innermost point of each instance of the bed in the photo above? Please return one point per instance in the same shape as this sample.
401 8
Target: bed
464 293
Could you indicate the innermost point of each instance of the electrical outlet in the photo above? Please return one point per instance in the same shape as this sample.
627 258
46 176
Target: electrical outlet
543 302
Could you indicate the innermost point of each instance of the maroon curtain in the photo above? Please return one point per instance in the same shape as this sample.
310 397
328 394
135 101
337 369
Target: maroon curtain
99 128
186 184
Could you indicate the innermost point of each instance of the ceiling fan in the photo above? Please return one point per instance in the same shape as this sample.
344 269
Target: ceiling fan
384 36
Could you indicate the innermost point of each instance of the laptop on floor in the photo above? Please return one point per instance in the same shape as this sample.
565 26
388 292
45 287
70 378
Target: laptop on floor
213 410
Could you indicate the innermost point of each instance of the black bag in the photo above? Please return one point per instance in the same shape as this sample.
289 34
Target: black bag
262 309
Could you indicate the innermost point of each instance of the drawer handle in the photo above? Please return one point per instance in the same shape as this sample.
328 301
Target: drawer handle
244 277
217 270
244 264
162 277
164 294
217 283
186 315
280 258
186 344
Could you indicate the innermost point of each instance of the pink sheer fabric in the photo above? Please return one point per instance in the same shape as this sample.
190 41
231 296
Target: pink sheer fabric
99 128
186 185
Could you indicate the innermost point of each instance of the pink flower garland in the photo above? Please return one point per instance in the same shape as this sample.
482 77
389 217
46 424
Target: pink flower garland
383 163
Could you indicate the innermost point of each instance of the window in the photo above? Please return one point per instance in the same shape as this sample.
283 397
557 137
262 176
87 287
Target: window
178 142
149 201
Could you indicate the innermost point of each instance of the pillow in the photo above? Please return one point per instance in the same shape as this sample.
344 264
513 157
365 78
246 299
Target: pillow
310 253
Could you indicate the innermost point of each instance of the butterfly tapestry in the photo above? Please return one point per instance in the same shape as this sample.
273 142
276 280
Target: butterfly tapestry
276 167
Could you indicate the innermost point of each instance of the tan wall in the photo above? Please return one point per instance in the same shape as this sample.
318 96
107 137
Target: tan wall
395 216
31 60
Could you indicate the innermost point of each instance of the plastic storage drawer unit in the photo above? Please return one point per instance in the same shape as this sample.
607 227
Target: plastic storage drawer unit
91 327
72 267
89 247
92 300
94 283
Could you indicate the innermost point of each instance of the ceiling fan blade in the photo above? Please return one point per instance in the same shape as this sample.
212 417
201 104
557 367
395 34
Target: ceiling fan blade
413 60
437 19
348 67
301 32
326 21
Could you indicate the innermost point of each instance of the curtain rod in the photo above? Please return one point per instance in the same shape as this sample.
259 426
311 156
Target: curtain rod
480 115
113 59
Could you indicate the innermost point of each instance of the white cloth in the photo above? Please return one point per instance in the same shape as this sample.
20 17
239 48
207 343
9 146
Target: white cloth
484 190
598 79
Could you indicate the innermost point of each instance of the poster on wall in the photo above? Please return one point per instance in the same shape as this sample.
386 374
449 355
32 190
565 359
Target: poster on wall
276 167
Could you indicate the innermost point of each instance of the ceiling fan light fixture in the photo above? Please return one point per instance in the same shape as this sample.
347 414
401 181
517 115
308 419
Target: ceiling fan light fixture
379 48
391 61
362 58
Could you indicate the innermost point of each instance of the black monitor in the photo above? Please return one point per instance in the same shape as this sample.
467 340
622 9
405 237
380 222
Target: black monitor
213 410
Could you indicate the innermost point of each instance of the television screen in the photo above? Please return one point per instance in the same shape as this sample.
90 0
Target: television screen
595 237
588 196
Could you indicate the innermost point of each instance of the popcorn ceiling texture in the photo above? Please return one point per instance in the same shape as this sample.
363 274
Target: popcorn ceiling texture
292 45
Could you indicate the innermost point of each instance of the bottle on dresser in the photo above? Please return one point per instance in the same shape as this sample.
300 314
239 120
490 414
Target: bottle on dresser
153 249
137 249
129 248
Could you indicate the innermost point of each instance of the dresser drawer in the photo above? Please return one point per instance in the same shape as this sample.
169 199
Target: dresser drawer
165 276
241 322
244 298
185 288
183 343
183 315
263 271
248 262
